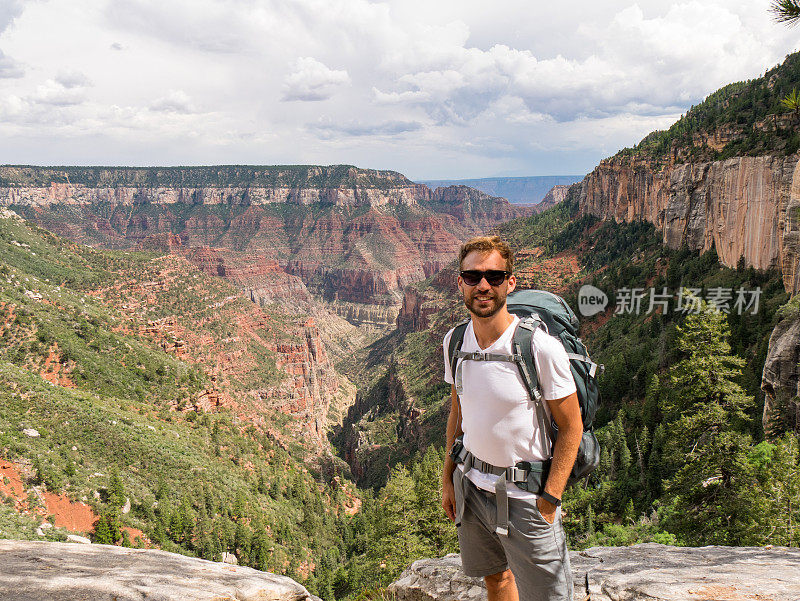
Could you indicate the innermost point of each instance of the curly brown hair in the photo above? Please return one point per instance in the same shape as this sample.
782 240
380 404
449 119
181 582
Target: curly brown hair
486 244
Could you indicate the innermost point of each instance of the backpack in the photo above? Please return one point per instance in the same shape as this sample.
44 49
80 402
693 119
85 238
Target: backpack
536 308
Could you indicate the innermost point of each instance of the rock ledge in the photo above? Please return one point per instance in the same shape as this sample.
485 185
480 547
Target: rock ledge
32 571
648 572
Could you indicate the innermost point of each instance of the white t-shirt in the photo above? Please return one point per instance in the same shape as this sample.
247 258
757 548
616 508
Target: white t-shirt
497 415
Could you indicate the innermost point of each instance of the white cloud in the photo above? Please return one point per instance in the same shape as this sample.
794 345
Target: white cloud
452 88
311 80
71 79
9 68
207 26
53 92
177 101
354 128
9 10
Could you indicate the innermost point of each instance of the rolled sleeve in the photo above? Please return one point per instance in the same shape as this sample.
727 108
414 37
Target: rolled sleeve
552 367
448 377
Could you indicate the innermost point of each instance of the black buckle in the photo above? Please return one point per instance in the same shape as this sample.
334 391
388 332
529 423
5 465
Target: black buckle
537 475
455 451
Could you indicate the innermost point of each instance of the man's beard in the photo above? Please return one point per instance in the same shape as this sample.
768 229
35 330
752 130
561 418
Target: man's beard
498 301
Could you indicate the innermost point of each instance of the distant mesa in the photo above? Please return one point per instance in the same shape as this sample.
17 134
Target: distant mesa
518 190
218 176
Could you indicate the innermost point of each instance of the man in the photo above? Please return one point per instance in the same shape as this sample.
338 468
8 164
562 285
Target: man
528 560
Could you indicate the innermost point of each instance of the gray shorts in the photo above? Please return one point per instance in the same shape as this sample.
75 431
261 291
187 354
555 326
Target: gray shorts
535 550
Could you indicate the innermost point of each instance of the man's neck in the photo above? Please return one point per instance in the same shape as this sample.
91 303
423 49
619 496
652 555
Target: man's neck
489 329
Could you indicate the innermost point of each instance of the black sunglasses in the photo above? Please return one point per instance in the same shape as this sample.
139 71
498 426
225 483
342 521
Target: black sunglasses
494 277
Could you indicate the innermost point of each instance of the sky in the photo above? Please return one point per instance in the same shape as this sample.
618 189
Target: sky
444 89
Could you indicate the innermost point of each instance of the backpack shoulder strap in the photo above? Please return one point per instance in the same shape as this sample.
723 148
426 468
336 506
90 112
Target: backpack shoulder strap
523 337
522 343
456 340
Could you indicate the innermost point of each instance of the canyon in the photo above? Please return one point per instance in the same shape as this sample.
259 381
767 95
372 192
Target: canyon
353 238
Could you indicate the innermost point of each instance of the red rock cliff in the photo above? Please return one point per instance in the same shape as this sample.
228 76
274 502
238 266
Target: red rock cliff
746 206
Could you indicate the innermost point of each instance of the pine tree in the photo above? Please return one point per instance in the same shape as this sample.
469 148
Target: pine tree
710 490
107 529
433 523
102 532
786 11
590 521
630 513
642 441
400 540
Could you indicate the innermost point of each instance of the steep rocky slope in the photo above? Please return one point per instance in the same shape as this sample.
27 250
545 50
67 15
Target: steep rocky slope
746 207
255 360
781 377
727 176
555 195
354 237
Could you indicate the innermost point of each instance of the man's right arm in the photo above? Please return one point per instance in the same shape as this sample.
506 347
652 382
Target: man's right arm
453 430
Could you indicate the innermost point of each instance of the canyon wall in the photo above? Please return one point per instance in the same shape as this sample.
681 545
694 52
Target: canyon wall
556 195
352 237
745 206
780 380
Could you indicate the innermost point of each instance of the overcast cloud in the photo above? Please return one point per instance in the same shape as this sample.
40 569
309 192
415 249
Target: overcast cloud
454 89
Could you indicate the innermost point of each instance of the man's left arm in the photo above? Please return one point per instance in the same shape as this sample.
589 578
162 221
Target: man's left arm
566 413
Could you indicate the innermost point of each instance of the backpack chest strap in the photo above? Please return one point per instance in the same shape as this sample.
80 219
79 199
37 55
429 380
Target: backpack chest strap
516 358
479 356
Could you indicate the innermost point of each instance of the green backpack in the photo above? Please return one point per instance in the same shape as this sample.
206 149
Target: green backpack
536 308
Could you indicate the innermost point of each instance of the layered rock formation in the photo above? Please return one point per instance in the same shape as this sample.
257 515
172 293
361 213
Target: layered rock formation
262 279
781 377
556 195
235 342
65 572
354 237
745 206
646 572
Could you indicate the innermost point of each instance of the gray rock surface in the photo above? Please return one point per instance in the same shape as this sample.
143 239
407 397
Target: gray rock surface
780 379
37 571
439 580
648 572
